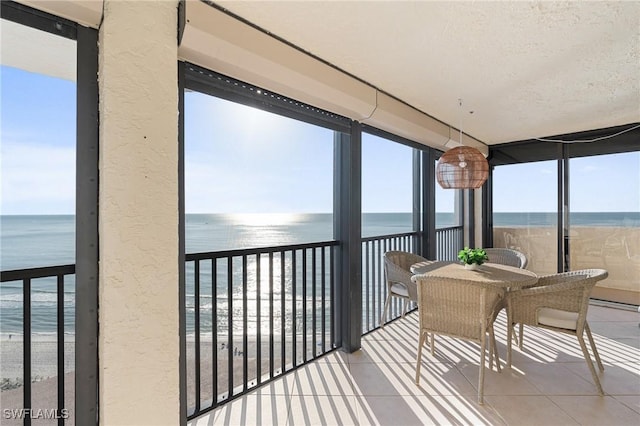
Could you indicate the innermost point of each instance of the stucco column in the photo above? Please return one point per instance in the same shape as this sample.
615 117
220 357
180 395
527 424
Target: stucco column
138 214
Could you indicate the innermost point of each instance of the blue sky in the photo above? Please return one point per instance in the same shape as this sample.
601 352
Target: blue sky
244 160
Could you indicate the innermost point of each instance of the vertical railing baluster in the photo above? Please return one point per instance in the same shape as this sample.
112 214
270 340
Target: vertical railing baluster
230 361
304 305
332 288
26 350
196 310
283 353
313 298
324 290
258 323
367 284
271 337
294 311
373 287
214 329
377 250
60 348
245 325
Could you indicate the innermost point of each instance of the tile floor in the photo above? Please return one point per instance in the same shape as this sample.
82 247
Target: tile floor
548 384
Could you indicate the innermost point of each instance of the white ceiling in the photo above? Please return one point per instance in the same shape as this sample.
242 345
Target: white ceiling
525 69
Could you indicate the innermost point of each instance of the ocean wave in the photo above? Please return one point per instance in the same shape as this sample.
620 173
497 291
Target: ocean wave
38 298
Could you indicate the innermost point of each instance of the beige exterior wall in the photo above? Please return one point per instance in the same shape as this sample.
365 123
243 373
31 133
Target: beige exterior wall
138 334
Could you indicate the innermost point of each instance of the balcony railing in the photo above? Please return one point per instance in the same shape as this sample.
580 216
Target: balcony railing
253 315
53 278
449 241
374 291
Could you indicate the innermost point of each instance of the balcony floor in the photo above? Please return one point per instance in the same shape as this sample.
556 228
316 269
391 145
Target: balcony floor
549 382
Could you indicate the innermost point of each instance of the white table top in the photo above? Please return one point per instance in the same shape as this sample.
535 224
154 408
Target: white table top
489 273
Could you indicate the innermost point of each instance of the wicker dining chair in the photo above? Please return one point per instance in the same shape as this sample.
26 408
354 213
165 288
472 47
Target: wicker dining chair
509 257
397 274
505 256
558 302
460 309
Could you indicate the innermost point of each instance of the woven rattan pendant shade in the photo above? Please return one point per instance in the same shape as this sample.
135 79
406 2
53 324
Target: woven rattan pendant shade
462 167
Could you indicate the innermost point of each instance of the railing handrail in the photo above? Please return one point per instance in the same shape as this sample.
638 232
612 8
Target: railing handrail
449 228
388 236
32 273
258 250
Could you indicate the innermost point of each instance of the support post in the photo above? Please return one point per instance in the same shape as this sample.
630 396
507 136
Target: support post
348 230
429 204
139 340
87 254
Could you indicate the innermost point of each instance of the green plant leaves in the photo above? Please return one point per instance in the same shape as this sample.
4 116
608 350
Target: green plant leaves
469 256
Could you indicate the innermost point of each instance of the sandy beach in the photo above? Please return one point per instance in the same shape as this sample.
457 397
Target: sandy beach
44 390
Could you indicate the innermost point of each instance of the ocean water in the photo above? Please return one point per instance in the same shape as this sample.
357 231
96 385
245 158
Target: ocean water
36 241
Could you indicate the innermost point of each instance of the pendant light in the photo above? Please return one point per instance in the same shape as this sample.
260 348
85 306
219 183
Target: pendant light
462 167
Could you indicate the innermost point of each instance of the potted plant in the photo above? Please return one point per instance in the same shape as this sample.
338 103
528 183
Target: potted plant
472 258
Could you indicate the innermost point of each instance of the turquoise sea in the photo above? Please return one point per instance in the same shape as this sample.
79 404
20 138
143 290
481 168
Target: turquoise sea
36 241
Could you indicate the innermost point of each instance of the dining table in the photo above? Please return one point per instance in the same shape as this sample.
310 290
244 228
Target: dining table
504 276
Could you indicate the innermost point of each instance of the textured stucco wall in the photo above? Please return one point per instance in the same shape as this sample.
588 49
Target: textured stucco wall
138 341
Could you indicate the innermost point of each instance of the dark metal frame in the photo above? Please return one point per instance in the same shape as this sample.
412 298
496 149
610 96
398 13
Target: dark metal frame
86 267
428 243
348 231
87 253
625 140
209 82
182 321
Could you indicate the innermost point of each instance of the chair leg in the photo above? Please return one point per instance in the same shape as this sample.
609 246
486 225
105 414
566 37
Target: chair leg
587 358
423 335
515 338
521 338
481 373
593 346
509 337
494 352
383 318
405 307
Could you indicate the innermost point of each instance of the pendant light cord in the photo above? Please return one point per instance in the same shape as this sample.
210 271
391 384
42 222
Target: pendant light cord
460 119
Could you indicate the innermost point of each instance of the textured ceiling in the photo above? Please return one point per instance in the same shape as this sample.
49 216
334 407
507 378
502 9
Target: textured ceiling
525 69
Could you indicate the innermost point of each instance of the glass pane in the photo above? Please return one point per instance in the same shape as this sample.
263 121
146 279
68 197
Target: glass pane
605 222
387 210
525 212
253 179
447 209
37 171
387 187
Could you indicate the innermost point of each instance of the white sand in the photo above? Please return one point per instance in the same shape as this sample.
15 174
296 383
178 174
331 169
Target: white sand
44 353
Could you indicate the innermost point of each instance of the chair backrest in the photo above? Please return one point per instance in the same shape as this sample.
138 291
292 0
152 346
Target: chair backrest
505 256
566 291
402 259
456 307
397 266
